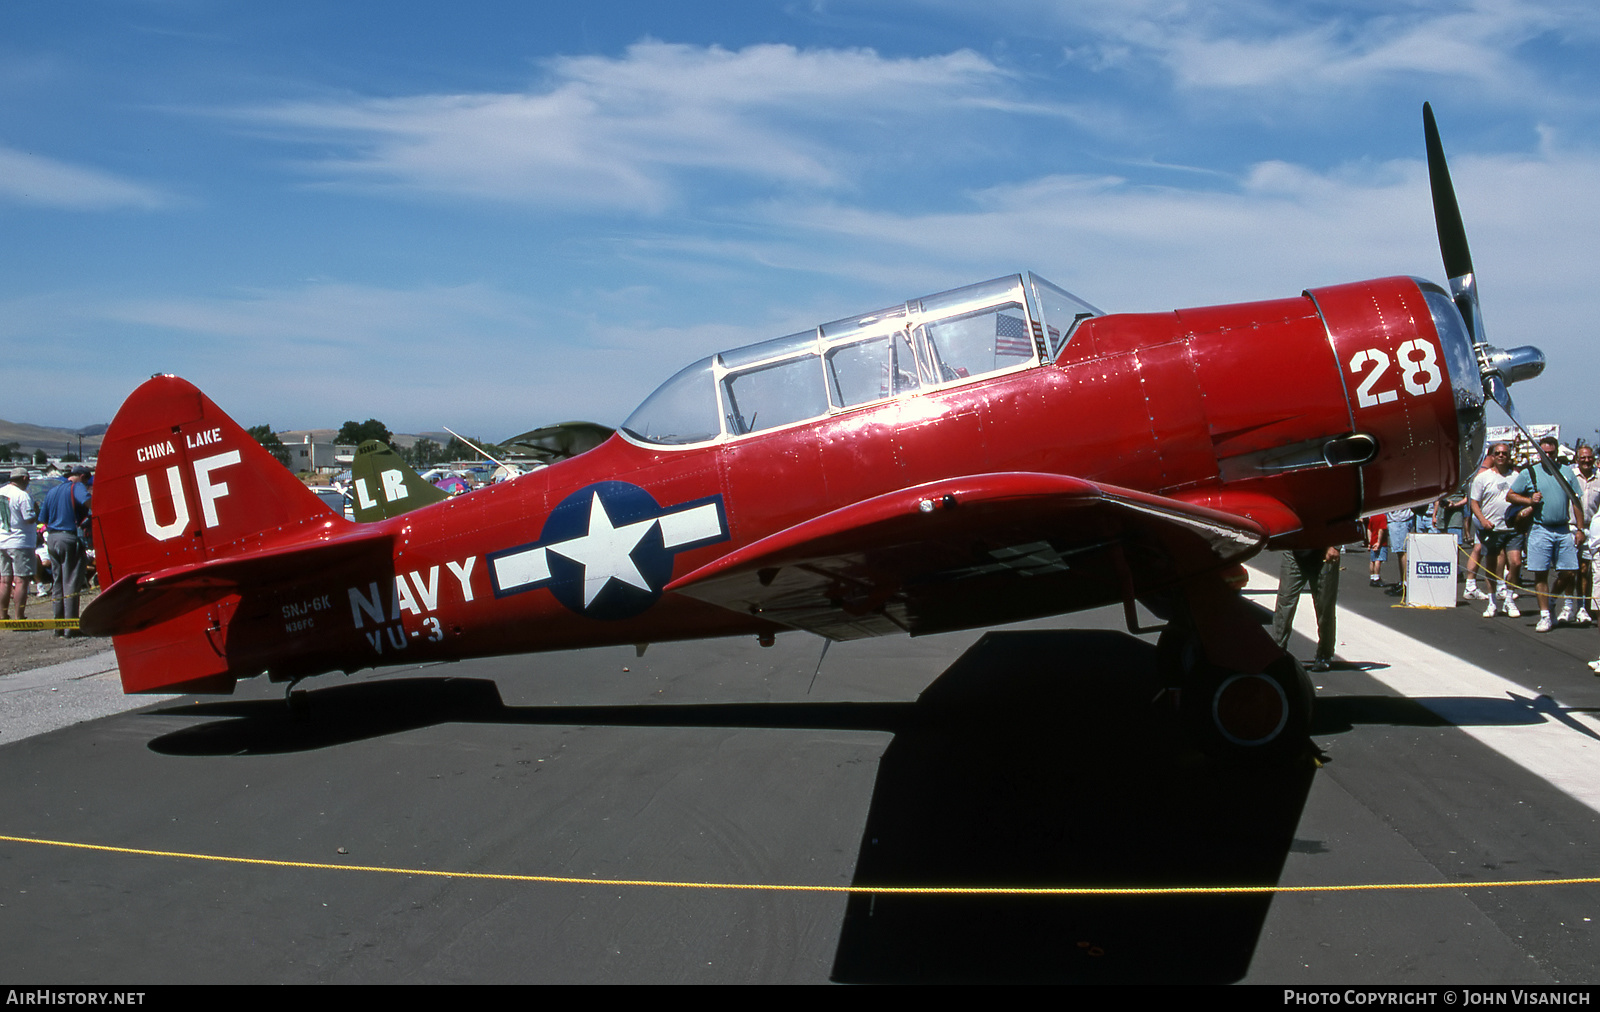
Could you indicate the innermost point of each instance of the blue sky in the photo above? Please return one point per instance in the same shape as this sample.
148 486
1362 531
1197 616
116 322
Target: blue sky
499 215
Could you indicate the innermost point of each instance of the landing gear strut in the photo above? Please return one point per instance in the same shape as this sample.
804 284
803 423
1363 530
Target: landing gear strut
1239 695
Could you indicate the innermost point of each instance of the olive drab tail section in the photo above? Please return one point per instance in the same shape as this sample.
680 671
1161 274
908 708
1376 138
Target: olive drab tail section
180 489
385 486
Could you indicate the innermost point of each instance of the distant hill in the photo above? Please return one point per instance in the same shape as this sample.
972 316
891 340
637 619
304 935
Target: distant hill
51 440
305 435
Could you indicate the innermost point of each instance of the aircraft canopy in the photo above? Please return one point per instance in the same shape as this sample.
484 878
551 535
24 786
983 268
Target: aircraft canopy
1007 324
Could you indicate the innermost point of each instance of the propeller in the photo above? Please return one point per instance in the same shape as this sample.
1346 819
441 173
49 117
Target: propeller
1498 367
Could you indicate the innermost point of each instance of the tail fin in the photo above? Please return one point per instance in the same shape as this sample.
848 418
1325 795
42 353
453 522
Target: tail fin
179 482
180 492
385 485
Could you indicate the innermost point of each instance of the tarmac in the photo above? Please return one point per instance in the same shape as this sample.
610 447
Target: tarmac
719 812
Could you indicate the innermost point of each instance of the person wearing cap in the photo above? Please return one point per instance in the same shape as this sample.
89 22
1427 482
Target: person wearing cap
64 511
1556 532
16 543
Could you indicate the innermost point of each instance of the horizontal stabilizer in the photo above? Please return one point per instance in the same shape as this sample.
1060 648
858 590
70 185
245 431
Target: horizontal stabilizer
139 600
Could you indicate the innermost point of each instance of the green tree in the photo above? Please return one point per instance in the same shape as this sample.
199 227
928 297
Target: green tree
71 458
458 450
354 435
10 451
269 441
40 457
426 453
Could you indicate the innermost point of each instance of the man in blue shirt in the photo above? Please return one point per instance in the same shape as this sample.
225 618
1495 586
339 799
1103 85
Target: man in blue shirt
66 509
1557 529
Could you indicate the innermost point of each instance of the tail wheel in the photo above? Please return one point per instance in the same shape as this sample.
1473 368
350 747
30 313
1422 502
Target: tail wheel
1249 714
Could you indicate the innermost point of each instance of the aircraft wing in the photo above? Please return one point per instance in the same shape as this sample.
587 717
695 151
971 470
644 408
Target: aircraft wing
982 550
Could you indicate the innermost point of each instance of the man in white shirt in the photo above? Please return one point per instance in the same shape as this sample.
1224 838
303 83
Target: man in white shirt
1502 544
17 515
1589 490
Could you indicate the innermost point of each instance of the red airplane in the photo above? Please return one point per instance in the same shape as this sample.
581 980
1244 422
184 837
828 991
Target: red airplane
998 452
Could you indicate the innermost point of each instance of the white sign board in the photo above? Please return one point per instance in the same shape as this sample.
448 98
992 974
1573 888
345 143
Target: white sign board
1431 571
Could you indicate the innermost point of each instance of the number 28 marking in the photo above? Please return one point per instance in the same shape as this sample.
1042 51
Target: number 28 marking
1419 365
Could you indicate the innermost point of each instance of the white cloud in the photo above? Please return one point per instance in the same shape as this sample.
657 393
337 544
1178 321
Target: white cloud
615 133
31 179
1300 49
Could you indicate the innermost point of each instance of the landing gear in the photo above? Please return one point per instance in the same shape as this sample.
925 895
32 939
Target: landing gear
1240 714
1265 714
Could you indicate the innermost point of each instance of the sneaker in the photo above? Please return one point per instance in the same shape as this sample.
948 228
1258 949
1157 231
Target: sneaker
1474 594
1565 618
1595 664
1583 617
1488 612
1544 623
1512 611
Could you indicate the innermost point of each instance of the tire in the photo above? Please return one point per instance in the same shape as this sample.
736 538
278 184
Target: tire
1249 716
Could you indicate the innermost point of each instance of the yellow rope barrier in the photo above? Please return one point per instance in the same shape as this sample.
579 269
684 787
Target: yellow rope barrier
30 624
1492 579
880 890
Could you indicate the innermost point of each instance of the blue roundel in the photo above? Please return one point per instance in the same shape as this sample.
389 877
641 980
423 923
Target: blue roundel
602 544
607 549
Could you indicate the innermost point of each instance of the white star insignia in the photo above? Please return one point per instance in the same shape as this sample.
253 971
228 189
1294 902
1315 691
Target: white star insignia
606 551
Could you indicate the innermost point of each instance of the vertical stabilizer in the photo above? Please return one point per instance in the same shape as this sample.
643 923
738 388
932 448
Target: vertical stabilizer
384 485
180 484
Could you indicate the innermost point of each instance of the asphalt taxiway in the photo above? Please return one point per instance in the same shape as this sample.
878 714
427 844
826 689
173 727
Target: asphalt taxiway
656 789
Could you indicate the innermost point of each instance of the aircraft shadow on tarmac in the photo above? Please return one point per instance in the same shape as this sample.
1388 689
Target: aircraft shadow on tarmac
1035 759
1038 759
1338 714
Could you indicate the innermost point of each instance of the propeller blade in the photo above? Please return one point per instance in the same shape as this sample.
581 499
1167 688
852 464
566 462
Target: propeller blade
1446 212
1497 389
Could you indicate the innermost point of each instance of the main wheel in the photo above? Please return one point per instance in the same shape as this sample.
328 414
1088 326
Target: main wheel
1248 715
